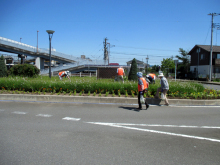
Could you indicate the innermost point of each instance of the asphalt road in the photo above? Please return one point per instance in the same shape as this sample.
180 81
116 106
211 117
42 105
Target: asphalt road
62 133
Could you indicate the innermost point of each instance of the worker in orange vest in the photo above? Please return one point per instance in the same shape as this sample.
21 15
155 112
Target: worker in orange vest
151 77
120 74
63 73
142 87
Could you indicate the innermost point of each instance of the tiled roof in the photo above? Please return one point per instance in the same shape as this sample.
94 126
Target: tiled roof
206 47
138 62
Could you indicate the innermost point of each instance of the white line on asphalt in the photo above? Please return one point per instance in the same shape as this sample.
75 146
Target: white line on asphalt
159 125
20 113
44 115
155 131
70 118
2 110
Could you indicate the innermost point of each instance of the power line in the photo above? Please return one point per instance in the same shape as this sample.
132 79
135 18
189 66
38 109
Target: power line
135 54
144 48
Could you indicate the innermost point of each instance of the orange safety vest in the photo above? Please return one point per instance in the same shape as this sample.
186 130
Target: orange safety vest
120 72
62 74
145 84
152 75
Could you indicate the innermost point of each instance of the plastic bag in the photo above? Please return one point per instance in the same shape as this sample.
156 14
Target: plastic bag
162 96
142 99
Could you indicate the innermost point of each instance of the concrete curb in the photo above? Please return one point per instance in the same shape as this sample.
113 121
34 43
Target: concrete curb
110 100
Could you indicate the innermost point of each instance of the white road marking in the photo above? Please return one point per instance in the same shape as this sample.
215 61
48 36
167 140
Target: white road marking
20 113
159 125
2 110
44 115
70 118
155 131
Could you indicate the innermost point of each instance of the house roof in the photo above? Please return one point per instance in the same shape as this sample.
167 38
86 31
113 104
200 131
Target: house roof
136 61
206 48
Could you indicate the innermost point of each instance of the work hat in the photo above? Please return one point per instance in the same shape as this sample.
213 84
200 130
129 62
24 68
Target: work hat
160 75
139 74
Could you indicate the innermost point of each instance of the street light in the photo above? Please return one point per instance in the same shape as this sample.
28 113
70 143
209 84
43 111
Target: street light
50 33
37 41
175 61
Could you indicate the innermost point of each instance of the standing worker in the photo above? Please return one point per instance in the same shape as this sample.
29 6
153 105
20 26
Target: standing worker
62 74
151 77
163 89
142 87
121 73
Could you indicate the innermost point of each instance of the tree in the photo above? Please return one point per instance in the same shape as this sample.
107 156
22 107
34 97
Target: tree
133 71
3 68
155 68
167 64
184 67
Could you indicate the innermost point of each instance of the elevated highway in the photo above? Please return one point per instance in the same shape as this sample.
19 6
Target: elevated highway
11 46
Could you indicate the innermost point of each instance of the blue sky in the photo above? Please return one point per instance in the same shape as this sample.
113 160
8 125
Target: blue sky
136 28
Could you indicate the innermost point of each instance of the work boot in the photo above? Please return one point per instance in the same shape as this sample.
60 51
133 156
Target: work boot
147 106
138 109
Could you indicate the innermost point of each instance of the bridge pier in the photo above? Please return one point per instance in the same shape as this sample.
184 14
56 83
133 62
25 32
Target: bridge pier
39 62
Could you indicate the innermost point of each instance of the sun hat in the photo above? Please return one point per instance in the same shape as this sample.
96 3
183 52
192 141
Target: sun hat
160 75
139 74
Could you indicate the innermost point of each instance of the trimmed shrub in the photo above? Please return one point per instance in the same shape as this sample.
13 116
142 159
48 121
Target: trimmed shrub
25 70
133 71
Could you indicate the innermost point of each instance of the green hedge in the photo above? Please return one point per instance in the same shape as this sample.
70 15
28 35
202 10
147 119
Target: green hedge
25 70
90 84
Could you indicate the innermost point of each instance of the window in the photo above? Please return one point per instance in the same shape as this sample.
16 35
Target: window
202 57
218 56
217 69
195 70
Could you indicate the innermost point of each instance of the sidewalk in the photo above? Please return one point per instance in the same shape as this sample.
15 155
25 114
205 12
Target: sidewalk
107 100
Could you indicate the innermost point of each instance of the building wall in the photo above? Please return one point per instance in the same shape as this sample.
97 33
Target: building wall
106 73
204 61
204 71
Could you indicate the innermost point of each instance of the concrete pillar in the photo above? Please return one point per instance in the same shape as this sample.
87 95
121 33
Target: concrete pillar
39 63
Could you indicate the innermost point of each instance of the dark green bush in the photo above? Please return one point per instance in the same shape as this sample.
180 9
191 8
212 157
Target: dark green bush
133 71
25 70
3 68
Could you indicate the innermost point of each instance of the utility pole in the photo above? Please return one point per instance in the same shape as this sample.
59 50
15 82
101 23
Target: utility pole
105 50
147 63
198 51
108 52
210 63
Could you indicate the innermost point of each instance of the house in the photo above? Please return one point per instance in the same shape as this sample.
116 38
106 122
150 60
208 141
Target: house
140 65
200 61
